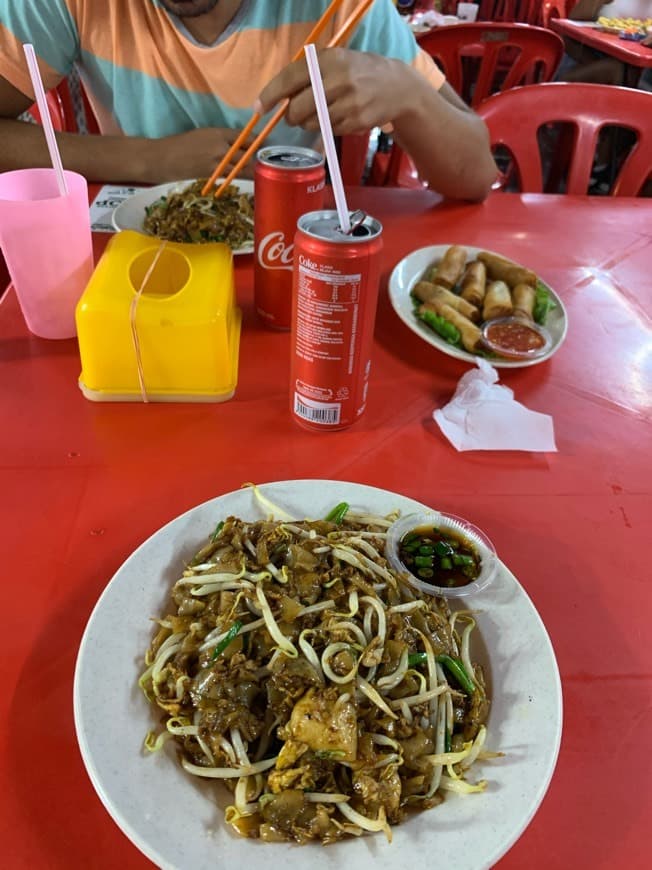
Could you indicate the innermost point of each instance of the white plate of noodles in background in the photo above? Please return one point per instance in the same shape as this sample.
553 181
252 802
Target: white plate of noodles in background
178 820
130 214
411 268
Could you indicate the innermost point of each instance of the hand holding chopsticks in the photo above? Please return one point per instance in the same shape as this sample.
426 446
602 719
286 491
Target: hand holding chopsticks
314 35
340 38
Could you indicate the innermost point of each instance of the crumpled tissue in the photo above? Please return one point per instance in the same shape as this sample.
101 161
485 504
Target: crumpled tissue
483 415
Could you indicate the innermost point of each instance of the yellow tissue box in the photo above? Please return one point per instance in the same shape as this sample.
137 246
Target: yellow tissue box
187 325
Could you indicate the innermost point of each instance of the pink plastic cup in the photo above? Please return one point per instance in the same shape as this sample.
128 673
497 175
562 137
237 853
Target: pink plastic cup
46 241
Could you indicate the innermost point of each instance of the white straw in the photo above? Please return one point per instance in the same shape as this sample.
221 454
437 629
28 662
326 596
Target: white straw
327 136
46 120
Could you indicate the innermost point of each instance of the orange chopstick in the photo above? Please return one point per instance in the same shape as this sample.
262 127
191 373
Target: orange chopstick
350 24
341 36
313 36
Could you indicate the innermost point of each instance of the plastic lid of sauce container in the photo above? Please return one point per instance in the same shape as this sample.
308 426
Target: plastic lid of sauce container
516 338
450 525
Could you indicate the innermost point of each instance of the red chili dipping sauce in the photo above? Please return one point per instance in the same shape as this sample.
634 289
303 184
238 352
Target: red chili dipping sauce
514 338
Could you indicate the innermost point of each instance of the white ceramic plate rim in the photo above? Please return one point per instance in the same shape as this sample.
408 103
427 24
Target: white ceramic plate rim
130 214
172 818
409 270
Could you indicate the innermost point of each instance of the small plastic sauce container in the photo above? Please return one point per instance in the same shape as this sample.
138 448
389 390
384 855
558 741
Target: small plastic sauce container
454 527
516 338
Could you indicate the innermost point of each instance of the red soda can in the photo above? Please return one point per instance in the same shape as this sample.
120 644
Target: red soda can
334 293
289 181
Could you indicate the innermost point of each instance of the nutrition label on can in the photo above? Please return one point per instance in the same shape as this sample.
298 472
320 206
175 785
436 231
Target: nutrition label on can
327 315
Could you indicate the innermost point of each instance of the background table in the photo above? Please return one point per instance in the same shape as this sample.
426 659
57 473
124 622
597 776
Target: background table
633 55
83 484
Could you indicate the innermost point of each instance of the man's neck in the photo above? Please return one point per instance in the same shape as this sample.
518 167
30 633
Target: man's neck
208 28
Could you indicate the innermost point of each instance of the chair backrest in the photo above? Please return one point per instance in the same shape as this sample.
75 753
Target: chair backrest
486 9
514 118
55 108
552 9
507 54
525 11
353 151
62 110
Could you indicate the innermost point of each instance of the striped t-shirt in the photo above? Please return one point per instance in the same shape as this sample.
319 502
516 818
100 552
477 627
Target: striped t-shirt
146 76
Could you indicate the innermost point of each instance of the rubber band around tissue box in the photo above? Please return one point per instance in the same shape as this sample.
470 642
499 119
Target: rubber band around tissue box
187 322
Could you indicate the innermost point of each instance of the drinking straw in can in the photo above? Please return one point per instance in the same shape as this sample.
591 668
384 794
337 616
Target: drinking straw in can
327 136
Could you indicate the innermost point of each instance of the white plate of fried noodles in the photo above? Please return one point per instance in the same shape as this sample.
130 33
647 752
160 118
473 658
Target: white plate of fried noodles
177 211
177 820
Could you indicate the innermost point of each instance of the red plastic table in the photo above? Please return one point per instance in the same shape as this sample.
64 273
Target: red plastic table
83 484
635 56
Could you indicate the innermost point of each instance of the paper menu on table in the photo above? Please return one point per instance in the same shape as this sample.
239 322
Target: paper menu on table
109 198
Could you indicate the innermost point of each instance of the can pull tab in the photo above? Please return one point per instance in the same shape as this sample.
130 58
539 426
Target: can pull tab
356 219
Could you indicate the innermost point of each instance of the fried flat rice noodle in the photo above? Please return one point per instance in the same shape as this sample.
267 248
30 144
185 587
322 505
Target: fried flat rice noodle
297 668
188 216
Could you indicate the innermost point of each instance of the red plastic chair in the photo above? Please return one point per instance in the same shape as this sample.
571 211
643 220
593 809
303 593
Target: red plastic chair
514 118
511 11
353 151
507 55
552 9
525 11
533 52
55 108
62 110
486 10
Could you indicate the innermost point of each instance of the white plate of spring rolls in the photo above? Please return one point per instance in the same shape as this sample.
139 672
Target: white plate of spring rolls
467 287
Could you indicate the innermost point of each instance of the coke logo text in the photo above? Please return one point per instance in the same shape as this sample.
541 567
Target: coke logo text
273 253
306 261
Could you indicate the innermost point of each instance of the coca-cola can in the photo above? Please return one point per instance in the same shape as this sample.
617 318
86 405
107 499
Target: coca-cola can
334 293
289 181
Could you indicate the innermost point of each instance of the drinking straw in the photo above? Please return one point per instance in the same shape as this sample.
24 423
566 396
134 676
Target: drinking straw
327 136
340 38
46 120
313 36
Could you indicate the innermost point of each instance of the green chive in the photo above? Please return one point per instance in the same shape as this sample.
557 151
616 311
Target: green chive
416 659
218 529
442 548
226 640
448 743
446 564
457 670
424 561
338 513
329 753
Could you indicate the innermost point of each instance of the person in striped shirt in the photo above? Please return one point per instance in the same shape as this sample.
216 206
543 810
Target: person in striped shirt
173 81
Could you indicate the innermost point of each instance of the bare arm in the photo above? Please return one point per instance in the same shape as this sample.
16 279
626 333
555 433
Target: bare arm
587 10
447 141
108 158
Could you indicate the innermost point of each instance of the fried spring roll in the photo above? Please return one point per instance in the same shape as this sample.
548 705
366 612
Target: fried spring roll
497 301
424 290
523 296
502 269
474 283
449 270
427 292
470 333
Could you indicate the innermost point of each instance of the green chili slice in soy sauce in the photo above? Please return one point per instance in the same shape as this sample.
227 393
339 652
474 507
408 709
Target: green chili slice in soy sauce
441 557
